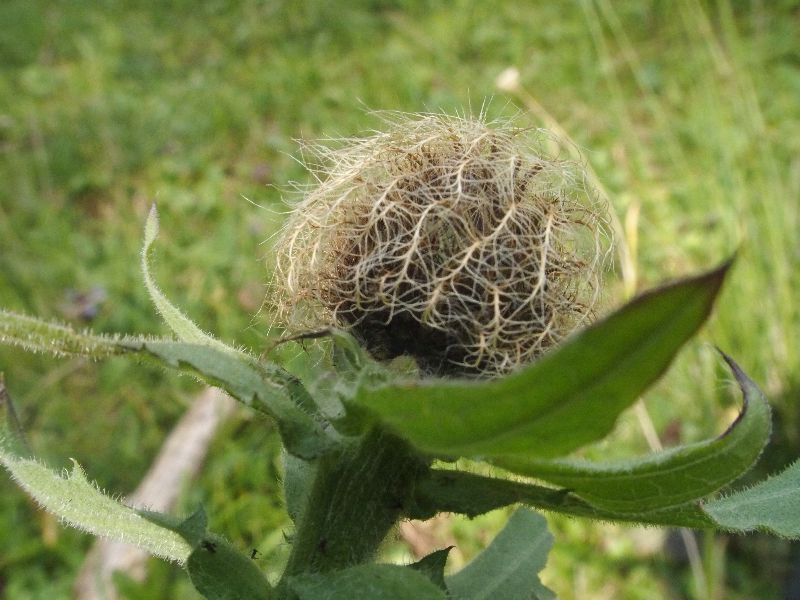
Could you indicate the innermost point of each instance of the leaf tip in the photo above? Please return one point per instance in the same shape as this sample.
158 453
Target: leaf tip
740 375
716 276
151 226
77 471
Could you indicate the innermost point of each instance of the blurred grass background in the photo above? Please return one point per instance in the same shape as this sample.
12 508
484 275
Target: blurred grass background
688 112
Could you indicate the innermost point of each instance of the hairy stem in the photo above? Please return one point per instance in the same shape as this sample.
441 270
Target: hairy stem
357 496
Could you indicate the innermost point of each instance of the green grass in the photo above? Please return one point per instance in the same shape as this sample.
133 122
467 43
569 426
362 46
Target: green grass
687 111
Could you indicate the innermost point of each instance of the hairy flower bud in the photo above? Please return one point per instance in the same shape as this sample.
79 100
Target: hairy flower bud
459 242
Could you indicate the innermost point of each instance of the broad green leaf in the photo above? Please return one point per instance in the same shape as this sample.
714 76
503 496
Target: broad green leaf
183 327
376 582
568 398
667 478
79 503
772 505
472 495
509 567
220 572
432 566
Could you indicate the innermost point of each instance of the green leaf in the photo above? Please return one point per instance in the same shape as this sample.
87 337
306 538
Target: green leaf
220 572
193 528
376 582
772 505
432 566
667 478
568 398
509 567
265 387
355 369
349 357
79 503
36 335
183 327
11 434
472 495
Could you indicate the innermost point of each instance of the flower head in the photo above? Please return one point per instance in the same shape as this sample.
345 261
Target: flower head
459 242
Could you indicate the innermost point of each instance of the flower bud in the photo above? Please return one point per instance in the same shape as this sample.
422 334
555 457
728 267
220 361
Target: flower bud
459 242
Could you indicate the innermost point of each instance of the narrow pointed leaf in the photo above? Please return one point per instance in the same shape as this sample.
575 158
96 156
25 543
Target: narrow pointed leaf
570 397
265 387
181 325
509 567
772 505
220 572
666 478
302 435
37 335
376 582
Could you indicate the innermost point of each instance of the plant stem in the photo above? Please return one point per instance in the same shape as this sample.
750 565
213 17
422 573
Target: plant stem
357 496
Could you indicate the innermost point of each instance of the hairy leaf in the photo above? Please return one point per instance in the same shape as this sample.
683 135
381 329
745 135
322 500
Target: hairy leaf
37 335
667 478
509 567
193 528
220 572
570 397
183 327
772 505
268 391
79 503
265 387
376 582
